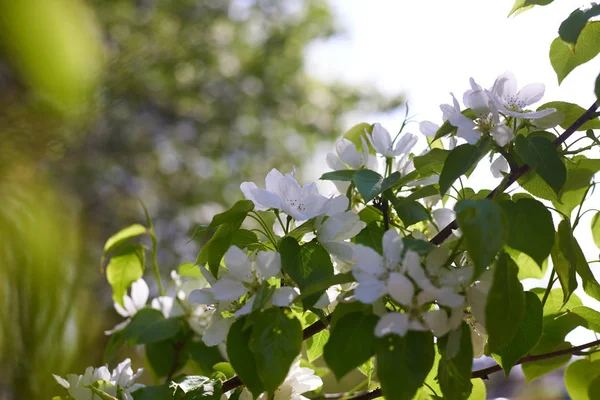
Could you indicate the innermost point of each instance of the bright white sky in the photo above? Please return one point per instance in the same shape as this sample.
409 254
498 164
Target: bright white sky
427 49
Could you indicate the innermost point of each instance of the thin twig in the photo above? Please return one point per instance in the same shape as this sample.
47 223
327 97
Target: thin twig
520 171
483 373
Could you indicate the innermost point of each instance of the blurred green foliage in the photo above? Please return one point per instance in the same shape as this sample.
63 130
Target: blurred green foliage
110 101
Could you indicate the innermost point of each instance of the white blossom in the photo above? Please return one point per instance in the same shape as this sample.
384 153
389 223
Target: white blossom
298 380
511 102
499 167
381 141
466 128
347 156
284 193
335 231
131 304
122 377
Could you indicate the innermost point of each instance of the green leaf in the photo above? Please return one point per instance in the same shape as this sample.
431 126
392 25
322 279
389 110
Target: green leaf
315 345
575 255
425 191
352 342
149 325
322 285
367 369
540 154
590 318
153 393
505 304
571 28
125 267
345 175
528 268
370 184
530 228
580 172
578 377
564 60
245 239
228 224
242 358
276 341
527 336
431 162
409 211
115 342
370 214
371 236
403 363
535 369
597 89
524 4
306 265
596 229
356 132
572 112
483 227
163 355
206 357
454 370
421 247
594 387
460 160
197 387
124 235
189 270
478 392
565 260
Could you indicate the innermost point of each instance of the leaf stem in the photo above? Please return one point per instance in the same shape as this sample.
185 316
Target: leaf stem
549 287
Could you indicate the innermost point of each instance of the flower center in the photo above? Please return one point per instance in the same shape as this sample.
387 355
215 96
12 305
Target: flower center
513 103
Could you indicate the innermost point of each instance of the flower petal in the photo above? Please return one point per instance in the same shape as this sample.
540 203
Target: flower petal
392 248
238 264
139 293
268 264
499 165
334 162
367 260
368 291
217 331
531 94
502 134
437 321
348 153
428 128
401 288
283 296
392 323
228 289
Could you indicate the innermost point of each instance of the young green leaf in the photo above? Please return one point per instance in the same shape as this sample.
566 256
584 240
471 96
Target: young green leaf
409 211
149 325
540 154
571 113
505 304
124 235
570 29
580 172
403 363
527 336
307 265
370 184
530 228
315 345
460 160
521 5
578 377
351 343
573 253
483 227
125 267
565 260
355 133
153 393
197 387
563 59
276 341
454 370
345 175
596 228
228 224
242 358
431 162
371 236
533 370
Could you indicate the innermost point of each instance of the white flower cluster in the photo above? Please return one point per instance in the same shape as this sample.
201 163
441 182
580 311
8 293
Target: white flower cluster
121 379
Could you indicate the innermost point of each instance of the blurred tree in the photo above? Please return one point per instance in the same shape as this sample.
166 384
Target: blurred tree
195 97
200 96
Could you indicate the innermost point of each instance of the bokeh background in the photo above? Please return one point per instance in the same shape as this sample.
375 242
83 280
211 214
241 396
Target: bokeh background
107 102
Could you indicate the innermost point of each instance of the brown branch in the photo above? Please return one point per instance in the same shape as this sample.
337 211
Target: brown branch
483 373
480 373
308 332
519 172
